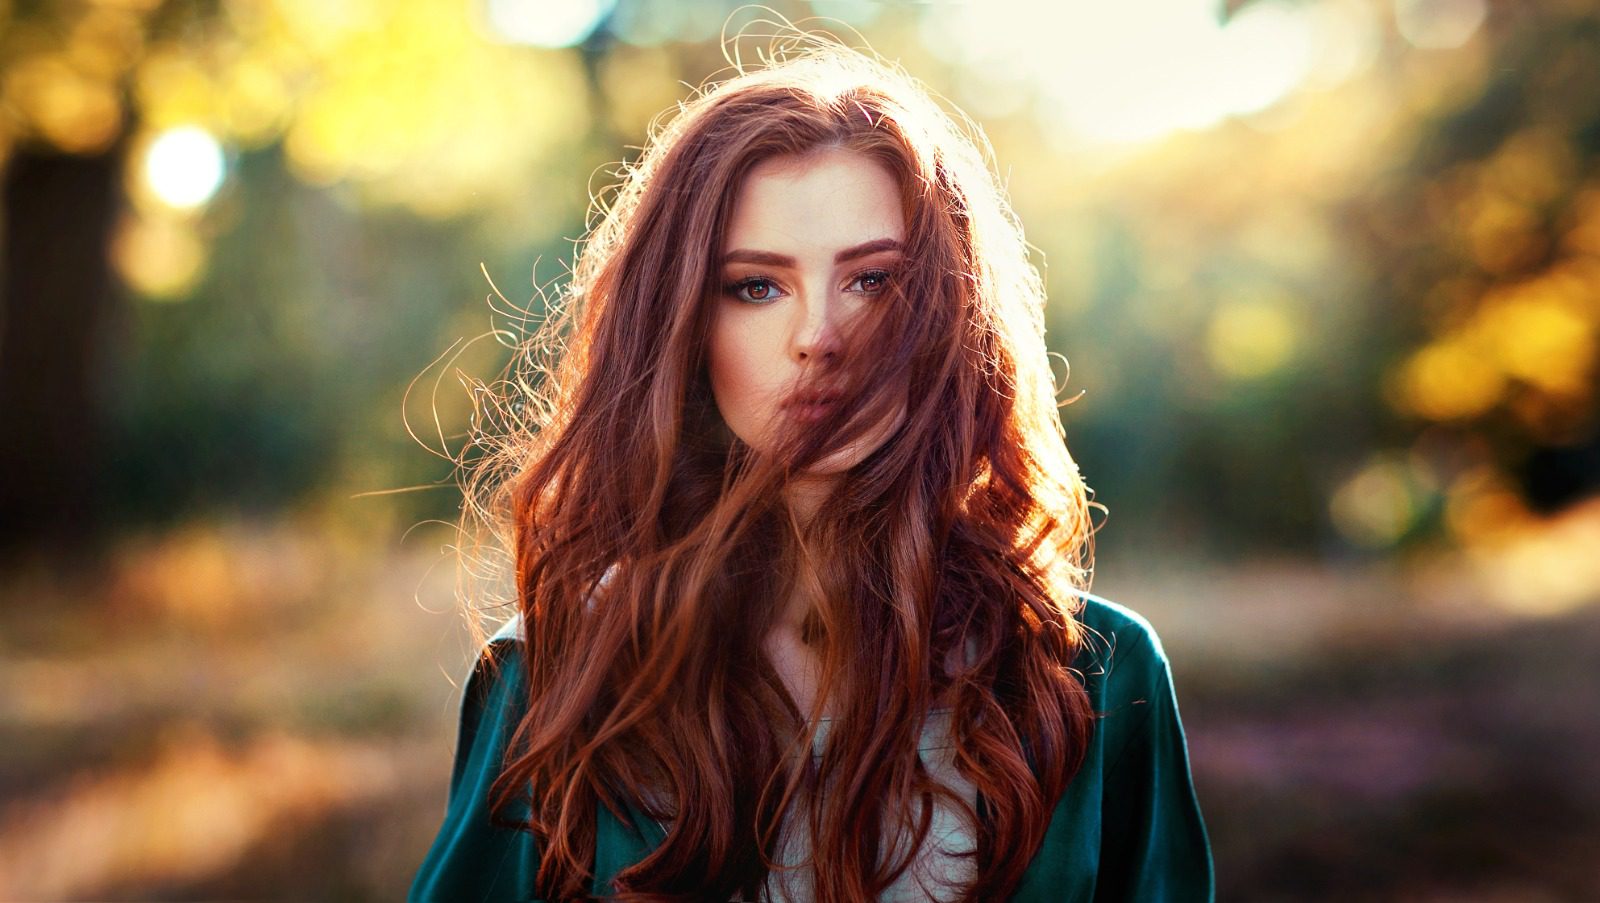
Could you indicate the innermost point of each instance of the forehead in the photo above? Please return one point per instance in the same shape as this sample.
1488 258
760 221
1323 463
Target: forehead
821 201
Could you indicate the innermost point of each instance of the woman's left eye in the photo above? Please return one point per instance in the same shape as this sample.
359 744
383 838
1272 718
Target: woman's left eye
871 282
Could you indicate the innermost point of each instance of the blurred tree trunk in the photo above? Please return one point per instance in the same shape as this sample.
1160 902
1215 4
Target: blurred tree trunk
57 294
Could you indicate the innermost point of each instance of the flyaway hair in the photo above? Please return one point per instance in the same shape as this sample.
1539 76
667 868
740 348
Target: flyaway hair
652 548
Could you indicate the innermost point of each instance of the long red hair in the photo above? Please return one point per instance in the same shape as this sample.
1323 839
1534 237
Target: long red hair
651 547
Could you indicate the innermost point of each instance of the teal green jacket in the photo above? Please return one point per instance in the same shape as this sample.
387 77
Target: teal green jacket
1128 826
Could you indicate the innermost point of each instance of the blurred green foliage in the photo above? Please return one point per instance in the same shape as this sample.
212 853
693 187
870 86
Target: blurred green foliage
1353 315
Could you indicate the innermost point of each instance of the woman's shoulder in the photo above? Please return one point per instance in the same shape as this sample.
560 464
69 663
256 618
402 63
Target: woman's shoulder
502 647
1122 654
508 632
1120 626
496 671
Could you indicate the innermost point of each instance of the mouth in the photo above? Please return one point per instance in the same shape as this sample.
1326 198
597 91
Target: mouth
811 405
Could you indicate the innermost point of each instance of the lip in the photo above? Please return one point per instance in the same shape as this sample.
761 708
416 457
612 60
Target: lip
811 405
810 412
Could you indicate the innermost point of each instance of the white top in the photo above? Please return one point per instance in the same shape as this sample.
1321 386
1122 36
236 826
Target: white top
935 874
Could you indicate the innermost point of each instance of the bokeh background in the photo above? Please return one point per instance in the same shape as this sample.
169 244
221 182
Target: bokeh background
1327 274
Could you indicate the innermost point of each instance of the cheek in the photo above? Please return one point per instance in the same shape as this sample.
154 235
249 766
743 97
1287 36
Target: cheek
735 377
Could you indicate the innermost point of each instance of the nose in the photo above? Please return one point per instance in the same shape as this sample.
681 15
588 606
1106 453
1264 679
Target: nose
816 336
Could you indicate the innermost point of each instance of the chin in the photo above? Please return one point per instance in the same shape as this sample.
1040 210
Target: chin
843 459
840 461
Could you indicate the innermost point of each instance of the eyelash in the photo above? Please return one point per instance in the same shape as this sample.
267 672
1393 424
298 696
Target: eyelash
733 289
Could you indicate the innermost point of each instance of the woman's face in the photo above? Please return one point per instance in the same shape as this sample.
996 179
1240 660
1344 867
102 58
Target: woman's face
812 241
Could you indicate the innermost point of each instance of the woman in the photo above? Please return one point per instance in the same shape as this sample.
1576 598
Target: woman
797 484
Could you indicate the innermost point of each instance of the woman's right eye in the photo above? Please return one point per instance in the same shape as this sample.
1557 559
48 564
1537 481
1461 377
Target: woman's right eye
755 290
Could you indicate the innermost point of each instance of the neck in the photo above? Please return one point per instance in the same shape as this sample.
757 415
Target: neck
805 496
807 492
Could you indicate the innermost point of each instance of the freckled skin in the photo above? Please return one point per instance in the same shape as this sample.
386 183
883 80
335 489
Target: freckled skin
808 208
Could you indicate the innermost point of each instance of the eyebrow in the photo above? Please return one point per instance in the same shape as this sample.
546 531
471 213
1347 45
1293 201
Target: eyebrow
783 260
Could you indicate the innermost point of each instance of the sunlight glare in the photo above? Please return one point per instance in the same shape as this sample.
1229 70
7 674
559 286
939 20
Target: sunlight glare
1135 71
543 23
1349 35
184 167
1439 24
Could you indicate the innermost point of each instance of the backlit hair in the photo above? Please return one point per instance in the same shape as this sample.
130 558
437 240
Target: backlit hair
652 548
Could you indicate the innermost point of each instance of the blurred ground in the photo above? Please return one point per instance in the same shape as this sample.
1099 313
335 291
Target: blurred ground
1383 746
248 712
